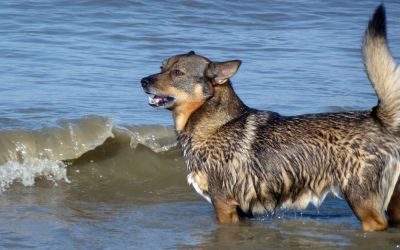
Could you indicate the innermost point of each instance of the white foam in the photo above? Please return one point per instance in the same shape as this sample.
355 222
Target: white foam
26 155
71 139
157 138
26 172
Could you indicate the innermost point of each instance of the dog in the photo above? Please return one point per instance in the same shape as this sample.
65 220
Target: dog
246 161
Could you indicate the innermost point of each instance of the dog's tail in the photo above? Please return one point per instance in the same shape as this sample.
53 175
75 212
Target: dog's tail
382 71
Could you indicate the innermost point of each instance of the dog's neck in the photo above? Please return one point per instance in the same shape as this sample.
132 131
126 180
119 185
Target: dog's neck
222 107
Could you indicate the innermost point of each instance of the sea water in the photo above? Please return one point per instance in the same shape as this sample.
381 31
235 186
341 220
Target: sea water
85 163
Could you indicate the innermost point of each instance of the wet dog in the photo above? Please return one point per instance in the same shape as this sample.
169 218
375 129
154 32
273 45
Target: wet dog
247 161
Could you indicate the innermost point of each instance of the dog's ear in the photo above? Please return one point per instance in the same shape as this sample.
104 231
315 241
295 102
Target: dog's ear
220 72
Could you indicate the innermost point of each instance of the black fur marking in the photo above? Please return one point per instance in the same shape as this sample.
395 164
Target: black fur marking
377 25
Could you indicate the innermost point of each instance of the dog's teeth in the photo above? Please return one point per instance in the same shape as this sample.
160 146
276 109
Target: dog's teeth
152 100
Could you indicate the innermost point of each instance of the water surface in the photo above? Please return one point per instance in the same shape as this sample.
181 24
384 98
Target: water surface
86 163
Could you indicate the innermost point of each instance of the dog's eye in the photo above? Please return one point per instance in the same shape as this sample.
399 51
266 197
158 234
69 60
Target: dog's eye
177 72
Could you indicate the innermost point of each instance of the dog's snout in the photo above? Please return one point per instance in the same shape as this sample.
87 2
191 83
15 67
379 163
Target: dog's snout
146 81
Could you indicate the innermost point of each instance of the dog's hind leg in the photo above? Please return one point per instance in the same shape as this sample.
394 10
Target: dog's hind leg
366 206
371 218
394 206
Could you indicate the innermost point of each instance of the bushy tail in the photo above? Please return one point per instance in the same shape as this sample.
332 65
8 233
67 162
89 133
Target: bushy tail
382 71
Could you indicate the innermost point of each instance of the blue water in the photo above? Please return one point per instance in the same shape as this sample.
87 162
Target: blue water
70 59
74 58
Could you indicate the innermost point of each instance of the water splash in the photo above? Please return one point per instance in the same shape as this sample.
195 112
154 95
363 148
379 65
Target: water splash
26 172
26 155
29 154
157 138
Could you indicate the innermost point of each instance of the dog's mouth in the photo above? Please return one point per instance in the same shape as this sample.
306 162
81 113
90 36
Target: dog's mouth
158 101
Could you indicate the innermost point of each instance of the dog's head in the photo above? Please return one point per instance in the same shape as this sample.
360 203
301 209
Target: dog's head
185 83
186 80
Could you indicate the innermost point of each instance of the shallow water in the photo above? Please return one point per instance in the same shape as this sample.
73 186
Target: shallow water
86 163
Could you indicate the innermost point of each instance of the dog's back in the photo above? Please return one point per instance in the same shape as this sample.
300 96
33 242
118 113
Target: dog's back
265 161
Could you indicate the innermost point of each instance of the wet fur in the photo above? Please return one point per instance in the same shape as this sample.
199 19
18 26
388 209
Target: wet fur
251 161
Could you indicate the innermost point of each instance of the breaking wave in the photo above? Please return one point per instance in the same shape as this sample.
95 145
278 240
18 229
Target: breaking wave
49 152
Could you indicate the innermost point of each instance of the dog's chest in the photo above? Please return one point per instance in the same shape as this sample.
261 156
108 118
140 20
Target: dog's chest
199 181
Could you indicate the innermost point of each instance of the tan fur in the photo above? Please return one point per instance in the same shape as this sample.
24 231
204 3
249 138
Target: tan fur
225 210
184 109
384 75
201 179
394 206
372 220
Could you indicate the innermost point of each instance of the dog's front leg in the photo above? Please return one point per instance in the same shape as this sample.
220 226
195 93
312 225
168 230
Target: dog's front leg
225 210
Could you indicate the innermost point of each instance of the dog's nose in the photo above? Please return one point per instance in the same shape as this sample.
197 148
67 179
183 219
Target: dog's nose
145 82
